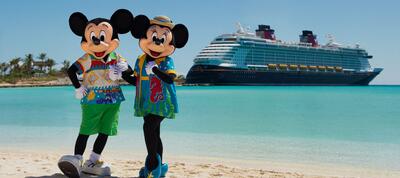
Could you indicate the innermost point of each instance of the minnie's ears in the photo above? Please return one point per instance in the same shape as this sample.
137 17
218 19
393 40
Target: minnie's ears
122 20
140 25
77 23
181 35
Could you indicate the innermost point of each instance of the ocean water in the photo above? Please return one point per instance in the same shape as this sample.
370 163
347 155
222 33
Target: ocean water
317 125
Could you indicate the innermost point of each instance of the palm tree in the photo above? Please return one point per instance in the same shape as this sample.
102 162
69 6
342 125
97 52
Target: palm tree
15 67
42 57
2 67
28 61
65 67
14 63
5 68
50 64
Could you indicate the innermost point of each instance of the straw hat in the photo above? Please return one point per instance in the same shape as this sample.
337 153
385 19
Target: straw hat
163 21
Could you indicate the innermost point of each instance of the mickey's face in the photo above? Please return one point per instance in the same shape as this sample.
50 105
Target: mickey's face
157 42
100 35
99 40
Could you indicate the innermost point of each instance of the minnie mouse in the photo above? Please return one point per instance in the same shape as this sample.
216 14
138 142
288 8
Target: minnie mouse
155 90
100 93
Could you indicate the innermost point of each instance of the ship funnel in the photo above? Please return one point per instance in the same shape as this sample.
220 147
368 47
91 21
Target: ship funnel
264 31
308 37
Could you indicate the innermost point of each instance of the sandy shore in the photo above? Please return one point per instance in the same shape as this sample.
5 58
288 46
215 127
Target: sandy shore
31 83
58 82
38 164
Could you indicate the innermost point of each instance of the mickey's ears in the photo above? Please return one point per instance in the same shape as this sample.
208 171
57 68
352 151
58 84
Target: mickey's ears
122 20
140 25
77 23
181 35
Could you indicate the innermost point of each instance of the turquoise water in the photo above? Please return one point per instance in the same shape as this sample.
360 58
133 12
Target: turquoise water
339 125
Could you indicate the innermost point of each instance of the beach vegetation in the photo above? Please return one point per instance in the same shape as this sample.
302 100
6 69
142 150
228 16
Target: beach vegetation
27 68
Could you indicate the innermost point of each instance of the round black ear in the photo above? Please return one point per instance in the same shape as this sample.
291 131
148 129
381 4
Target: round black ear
140 25
180 35
77 23
122 21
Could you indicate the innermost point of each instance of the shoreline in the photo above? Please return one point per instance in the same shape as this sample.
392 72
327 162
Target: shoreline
56 84
41 164
62 81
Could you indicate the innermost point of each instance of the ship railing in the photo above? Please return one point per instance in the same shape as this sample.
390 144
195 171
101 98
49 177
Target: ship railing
301 67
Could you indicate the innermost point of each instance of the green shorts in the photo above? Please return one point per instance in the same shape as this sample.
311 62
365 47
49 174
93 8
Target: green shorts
99 118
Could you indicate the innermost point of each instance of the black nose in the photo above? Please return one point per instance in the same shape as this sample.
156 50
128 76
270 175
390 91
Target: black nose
157 41
95 40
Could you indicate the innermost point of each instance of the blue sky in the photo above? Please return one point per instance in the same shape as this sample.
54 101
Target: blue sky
42 26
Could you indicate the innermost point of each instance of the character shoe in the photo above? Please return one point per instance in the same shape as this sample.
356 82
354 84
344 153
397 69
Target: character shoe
70 165
156 173
164 169
98 168
141 172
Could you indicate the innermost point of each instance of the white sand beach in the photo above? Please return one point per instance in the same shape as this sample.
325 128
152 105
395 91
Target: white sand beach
41 164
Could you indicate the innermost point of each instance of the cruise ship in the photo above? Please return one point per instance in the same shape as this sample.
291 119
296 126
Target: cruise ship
245 58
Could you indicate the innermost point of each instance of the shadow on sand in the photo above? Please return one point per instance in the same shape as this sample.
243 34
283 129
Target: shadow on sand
59 175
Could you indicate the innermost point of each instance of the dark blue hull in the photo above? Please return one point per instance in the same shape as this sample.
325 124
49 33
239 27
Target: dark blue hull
216 75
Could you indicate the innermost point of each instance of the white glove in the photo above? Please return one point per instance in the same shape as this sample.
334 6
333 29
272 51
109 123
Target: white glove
149 67
121 66
114 74
80 92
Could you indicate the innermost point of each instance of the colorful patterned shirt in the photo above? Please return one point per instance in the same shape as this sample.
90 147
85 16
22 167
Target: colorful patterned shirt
153 96
101 89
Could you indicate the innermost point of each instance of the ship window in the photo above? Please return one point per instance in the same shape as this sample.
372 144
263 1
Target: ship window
230 39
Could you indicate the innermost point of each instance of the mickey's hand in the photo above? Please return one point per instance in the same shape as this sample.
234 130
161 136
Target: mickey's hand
149 67
121 66
114 74
80 92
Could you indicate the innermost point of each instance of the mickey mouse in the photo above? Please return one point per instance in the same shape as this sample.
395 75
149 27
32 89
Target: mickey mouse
99 92
155 90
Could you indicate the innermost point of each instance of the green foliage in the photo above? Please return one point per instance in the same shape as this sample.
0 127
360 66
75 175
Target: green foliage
18 69
65 66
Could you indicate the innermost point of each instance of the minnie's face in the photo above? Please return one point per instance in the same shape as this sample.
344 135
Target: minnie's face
99 40
157 43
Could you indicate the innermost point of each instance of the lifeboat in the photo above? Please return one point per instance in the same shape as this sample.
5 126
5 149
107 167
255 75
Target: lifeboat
312 67
293 67
282 66
271 66
338 69
321 67
303 67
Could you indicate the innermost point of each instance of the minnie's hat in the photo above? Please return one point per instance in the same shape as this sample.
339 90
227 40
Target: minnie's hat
163 21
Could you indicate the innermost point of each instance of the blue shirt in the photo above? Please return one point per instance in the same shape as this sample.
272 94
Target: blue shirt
153 96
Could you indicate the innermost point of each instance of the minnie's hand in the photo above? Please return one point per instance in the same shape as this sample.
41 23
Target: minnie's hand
80 92
121 66
114 74
149 67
